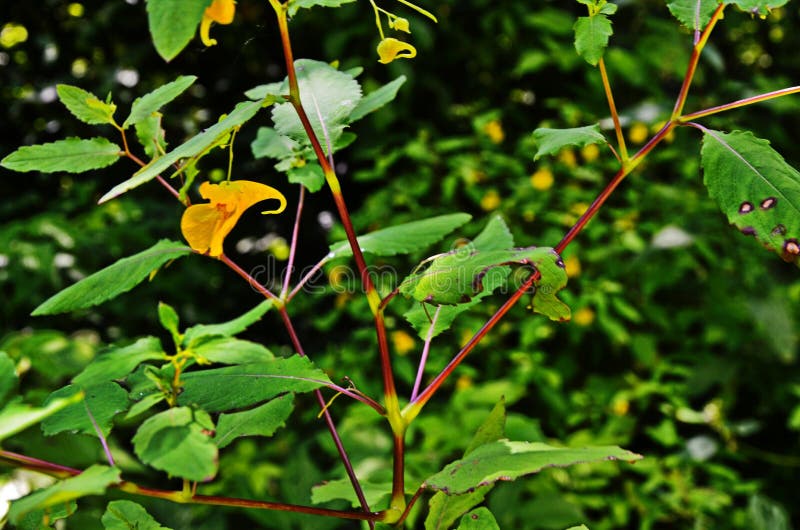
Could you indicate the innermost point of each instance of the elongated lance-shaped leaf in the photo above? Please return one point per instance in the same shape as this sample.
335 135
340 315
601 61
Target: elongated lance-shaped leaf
377 99
146 105
173 23
86 106
100 404
230 328
263 420
72 155
195 146
551 141
507 460
760 7
456 277
755 188
404 238
94 481
114 280
116 363
694 14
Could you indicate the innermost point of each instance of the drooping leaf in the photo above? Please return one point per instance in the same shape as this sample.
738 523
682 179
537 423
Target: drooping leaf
377 99
404 238
760 7
551 141
269 143
116 363
328 96
228 350
178 441
311 176
72 155
479 519
494 236
86 106
191 148
755 188
173 23
294 5
263 420
376 493
230 328
143 107
8 377
507 460
144 404
591 37
694 14
93 481
16 416
101 403
127 515
114 280
445 509
254 383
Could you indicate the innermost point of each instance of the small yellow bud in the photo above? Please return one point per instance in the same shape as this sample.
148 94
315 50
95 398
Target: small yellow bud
583 316
542 179
638 133
403 342
494 130
573 266
400 24
590 152
567 157
490 201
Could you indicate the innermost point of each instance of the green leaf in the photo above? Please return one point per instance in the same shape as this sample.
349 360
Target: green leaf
93 481
46 518
404 238
494 236
72 155
144 404
328 96
86 106
507 460
101 403
263 420
581 527
269 143
755 188
116 363
127 515
195 146
765 514
761 7
179 442
169 320
694 14
173 23
114 280
457 277
445 509
551 141
375 493
151 135
145 106
591 37
269 93
227 350
310 176
478 519
16 417
8 377
254 383
227 329
377 99
294 5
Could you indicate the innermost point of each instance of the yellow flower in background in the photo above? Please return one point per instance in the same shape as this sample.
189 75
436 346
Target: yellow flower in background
590 152
583 316
221 12
204 226
542 179
573 266
638 133
403 342
490 201
390 49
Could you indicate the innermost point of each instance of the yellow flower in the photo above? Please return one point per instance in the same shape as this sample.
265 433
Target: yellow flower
542 179
400 24
573 266
590 152
638 133
494 130
205 225
490 201
221 12
583 316
390 49
403 342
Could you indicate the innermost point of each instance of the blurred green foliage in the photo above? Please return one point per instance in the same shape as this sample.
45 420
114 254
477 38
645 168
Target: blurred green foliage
684 342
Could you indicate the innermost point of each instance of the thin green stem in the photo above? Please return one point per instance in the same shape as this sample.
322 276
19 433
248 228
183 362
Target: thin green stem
623 150
738 104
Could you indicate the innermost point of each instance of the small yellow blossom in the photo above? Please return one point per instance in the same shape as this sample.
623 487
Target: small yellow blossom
221 12
583 316
568 158
638 133
490 201
621 406
573 266
204 226
400 24
542 179
590 152
579 208
464 382
494 130
390 49
403 342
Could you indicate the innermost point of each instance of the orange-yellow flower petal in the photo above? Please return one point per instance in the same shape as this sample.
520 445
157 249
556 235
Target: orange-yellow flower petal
205 226
390 49
221 12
